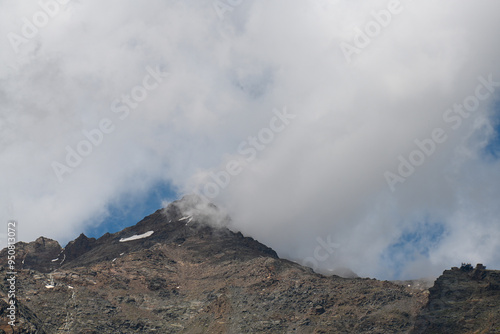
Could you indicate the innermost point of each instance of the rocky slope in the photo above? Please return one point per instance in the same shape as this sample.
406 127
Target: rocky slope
463 300
180 270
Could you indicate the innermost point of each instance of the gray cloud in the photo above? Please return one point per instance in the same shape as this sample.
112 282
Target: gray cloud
323 175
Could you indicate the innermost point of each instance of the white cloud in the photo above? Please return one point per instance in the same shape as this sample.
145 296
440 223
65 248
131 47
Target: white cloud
323 175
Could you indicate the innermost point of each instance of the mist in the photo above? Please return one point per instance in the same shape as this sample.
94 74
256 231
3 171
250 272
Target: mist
343 135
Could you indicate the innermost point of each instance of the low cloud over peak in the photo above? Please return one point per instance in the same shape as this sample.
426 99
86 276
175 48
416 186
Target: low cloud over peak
372 124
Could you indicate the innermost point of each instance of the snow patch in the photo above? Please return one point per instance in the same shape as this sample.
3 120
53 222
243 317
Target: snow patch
49 286
137 236
54 260
184 218
114 260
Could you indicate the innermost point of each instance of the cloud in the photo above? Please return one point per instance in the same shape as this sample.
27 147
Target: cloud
323 175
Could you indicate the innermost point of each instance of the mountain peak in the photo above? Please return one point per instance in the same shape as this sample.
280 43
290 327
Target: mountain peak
189 222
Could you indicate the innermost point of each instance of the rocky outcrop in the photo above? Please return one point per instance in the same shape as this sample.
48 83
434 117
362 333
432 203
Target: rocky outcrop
463 300
78 247
41 255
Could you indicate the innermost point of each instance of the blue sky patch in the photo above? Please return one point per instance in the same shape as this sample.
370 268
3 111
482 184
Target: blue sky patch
492 150
133 209
414 242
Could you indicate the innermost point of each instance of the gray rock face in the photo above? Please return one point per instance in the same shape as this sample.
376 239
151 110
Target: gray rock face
78 247
462 301
37 255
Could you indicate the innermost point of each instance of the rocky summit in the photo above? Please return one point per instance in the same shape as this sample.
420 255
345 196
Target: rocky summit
182 270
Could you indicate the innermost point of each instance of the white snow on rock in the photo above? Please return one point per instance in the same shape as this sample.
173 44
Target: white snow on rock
137 236
54 260
49 286
184 218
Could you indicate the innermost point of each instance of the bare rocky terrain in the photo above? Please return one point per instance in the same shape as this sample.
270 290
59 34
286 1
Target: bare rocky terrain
192 274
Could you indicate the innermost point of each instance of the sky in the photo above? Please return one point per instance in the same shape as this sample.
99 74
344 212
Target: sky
342 134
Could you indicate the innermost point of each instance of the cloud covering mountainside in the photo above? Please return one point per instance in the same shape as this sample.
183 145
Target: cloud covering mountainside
360 135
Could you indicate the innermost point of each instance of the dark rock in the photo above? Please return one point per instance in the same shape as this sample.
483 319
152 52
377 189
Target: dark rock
41 255
462 301
319 310
78 247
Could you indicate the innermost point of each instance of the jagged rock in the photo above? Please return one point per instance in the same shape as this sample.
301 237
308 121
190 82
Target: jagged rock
40 255
462 301
77 247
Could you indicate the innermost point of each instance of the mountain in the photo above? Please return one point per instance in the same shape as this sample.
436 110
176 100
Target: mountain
462 300
182 270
